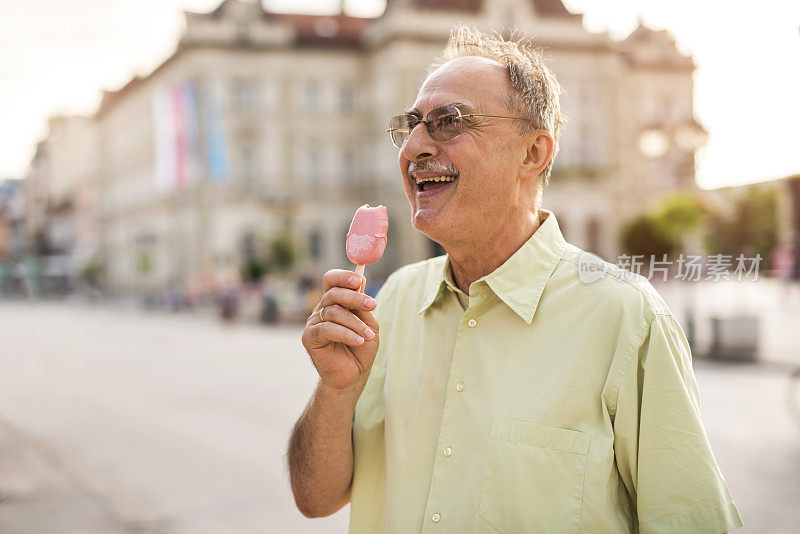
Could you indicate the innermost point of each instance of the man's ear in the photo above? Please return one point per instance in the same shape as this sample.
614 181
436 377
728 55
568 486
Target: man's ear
540 149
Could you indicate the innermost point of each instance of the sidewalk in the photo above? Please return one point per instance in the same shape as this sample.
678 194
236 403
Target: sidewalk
37 495
115 421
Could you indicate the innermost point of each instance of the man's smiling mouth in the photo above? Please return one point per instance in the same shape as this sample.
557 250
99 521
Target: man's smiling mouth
428 183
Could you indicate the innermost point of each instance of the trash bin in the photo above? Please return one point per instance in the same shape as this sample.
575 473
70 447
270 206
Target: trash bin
269 310
735 338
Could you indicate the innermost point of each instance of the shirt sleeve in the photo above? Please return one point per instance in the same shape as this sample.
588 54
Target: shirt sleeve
662 452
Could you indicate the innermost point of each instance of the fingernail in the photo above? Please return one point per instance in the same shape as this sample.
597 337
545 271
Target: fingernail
369 334
370 303
359 339
354 281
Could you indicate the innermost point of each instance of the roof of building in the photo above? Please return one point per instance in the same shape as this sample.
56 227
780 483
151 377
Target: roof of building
343 31
219 11
546 8
668 58
111 97
324 30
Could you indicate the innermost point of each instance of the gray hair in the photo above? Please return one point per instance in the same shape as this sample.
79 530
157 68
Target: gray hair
536 91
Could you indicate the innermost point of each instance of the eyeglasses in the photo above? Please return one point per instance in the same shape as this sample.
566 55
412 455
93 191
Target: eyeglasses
443 124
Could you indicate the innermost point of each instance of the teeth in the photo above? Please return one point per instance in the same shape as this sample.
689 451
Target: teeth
436 179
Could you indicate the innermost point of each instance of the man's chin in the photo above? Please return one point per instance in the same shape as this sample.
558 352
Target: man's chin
429 223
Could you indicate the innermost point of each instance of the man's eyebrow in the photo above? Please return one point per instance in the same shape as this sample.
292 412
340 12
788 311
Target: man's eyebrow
465 108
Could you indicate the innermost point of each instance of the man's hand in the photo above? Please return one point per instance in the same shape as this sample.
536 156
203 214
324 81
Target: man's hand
341 335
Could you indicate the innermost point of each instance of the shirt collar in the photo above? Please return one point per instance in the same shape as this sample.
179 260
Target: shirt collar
520 281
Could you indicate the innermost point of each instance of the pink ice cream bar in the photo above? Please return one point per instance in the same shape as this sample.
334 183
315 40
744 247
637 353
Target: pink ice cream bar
366 239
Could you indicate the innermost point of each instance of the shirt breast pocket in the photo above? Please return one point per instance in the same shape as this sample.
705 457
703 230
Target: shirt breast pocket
533 478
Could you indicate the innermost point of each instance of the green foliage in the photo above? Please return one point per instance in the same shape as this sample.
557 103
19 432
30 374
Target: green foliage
91 271
279 254
679 214
663 230
751 228
283 253
253 269
144 262
644 236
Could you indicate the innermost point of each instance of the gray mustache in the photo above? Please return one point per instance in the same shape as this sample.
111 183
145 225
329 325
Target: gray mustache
432 166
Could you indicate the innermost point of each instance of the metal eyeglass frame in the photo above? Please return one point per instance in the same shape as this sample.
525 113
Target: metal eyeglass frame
461 116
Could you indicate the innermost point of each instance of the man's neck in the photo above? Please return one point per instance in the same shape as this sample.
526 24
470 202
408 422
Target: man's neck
475 260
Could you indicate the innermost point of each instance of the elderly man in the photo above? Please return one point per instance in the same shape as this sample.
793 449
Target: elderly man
506 394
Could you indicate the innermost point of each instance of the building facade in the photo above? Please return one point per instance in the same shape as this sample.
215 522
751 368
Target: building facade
263 123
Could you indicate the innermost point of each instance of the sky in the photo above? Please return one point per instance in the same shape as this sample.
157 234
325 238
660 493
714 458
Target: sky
57 57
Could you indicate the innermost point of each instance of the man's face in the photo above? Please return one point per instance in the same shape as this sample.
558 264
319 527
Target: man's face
485 158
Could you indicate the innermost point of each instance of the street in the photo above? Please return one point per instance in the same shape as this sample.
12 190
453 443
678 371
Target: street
115 421
123 422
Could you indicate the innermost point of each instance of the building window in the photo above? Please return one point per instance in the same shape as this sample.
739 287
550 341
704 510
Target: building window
314 166
271 159
249 163
665 108
311 96
347 98
315 245
249 251
242 31
588 146
245 94
349 166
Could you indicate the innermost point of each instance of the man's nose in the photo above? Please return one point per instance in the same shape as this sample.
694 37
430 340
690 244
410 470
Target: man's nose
420 145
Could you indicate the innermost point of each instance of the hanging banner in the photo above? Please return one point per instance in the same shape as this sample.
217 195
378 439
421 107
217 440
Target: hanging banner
191 118
216 143
179 125
163 137
176 137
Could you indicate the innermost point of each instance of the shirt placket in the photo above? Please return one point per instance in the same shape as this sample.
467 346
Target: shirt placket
439 511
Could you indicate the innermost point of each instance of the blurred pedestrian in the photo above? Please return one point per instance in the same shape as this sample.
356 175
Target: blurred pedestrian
229 295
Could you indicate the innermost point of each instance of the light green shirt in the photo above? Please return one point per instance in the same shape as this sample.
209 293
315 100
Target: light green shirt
544 404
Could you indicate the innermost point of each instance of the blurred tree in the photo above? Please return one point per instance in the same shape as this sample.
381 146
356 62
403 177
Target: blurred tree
253 268
645 237
663 229
751 228
279 255
679 214
92 271
283 253
144 263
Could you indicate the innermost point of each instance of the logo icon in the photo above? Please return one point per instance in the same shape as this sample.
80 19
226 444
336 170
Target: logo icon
591 268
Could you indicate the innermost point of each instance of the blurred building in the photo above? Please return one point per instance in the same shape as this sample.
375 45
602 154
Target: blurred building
261 123
10 192
61 212
12 234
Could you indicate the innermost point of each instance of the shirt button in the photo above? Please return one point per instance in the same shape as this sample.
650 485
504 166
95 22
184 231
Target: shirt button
435 518
460 386
472 323
447 451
